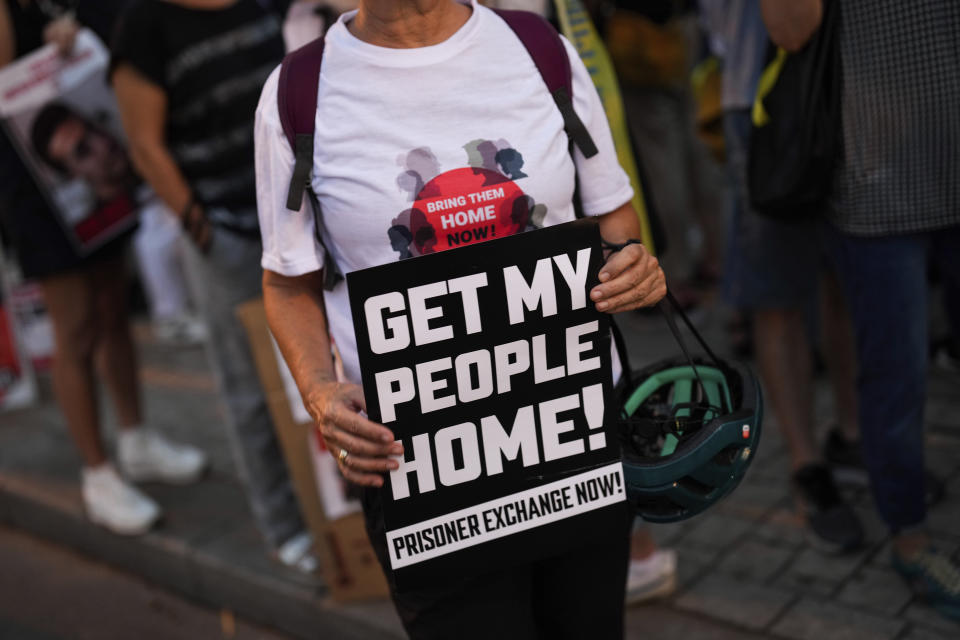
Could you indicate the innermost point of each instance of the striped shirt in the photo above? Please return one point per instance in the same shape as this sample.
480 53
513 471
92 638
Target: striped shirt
212 64
900 166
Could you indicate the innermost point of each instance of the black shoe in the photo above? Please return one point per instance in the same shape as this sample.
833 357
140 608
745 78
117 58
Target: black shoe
945 356
933 489
845 460
740 335
846 463
832 525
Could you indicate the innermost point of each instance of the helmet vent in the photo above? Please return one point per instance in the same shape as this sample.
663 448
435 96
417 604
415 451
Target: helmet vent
694 486
728 455
659 508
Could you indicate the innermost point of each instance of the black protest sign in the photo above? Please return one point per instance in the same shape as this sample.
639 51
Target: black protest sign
493 368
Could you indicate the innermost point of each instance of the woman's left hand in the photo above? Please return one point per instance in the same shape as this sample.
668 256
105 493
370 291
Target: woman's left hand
62 32
630 279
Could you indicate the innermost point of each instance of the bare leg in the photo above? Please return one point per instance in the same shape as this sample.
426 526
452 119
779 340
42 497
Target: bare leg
69 299
642 544
116 358
783 355
908 543
839 353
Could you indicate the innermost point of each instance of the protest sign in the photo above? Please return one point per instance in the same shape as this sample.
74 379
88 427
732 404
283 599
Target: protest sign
61 116
493 368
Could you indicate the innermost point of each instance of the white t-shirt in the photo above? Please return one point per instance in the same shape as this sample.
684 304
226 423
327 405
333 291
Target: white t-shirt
403 136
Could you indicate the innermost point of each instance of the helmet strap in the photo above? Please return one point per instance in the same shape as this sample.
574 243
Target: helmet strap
668 316
693 329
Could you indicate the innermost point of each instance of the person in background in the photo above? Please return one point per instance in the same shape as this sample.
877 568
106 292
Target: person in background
187 74
160 259
156 242
653 45
86 299
945 347
895 207
772 273
652 572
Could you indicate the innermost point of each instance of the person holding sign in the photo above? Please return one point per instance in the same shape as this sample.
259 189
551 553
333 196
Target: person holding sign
434 132
187 74
81 271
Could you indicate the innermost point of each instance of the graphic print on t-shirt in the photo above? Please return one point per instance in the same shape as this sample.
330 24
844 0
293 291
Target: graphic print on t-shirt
462 206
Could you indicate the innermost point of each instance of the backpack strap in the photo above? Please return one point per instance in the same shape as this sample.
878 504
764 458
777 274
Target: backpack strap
545 47
297 104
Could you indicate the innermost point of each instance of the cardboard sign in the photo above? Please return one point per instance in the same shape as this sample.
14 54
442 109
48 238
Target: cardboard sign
62 117
492 367
349 565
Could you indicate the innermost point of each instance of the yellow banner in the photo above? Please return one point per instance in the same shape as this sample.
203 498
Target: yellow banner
576 25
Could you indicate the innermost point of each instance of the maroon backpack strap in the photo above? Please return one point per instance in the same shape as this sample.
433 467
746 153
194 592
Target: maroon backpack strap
297 104
545 47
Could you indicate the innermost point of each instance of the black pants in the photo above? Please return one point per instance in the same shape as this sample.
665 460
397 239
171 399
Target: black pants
576 595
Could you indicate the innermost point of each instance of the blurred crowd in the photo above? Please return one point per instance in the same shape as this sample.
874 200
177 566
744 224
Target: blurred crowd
847 290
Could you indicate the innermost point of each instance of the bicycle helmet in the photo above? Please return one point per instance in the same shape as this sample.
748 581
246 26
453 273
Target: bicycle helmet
689 431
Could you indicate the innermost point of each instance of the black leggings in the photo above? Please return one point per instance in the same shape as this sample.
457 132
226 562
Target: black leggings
572 596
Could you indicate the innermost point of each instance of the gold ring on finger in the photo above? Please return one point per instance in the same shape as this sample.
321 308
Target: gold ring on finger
342 456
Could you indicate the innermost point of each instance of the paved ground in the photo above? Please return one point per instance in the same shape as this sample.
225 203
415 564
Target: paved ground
745 562
93 601
745 569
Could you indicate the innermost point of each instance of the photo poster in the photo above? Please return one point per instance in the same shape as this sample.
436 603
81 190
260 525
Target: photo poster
61 115
492 366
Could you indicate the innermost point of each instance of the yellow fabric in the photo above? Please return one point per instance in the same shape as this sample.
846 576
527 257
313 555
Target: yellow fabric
767 81
706 82
576 25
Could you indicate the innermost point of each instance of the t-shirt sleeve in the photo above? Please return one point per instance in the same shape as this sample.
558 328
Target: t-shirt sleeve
604 185
138 41
290 247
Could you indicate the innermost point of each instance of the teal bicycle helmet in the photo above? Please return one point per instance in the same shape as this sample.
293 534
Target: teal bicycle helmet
689 431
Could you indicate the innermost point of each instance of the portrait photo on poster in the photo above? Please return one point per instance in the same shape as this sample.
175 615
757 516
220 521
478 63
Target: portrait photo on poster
61 116
493 369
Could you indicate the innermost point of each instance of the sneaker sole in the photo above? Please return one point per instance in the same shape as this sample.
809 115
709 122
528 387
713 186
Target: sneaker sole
122 531
149 476
922 593
664 587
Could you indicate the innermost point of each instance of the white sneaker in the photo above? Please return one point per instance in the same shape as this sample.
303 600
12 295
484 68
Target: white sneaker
113 503
184 330
652 577
144 455
297 553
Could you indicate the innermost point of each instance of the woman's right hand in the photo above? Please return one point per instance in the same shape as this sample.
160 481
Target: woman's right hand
363 449
194 221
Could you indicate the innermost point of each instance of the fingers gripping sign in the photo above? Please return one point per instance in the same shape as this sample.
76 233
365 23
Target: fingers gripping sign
630 279
364 449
